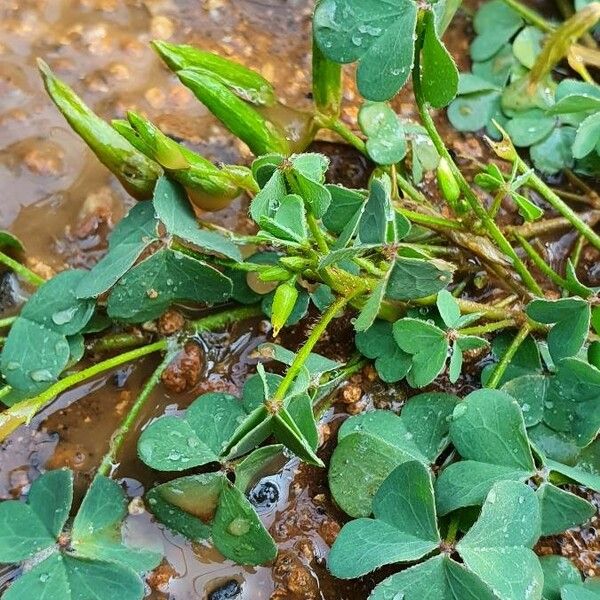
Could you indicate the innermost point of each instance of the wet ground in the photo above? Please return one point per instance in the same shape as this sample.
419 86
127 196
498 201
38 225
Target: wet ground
62 202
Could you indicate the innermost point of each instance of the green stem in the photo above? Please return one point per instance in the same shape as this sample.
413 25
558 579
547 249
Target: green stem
7 322
535 183
21 270
304 352
224 318
576 254
508 356
470 196
535 228
545 268
117 341
488 328
429 220
531 16
452 530
22 412
316 232
118 438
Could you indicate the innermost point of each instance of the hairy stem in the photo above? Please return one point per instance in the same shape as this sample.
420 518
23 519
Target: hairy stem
489 327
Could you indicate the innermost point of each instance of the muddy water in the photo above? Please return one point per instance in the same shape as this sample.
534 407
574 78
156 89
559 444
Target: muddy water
62 202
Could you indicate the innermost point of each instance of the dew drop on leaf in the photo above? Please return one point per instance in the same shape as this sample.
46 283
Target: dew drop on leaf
239 526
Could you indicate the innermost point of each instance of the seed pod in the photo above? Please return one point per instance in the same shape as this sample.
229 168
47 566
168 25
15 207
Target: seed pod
136 172
261 135
295 263
275 273
447 183
244 82
284 301
207 186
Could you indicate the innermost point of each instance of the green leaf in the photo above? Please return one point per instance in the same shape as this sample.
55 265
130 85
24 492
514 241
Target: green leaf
291 218
456 363
267 199
495 24
378 343
372 227
237 531
528 45
386 143
428 346
22 532
427 418
557 572
263 461
497 547
8 240
589 590
439 578
306 178
290 433
55 306
374 444
571 318
561 510
175 212
50 497
187 505
69 578
344 205
530 127
167 276
131 236
413 278
473 112
573 96
488 431
33 356
370 310
315 363
404 527
448 308
178 443
554 153
588 136
529 391
354 30
439 75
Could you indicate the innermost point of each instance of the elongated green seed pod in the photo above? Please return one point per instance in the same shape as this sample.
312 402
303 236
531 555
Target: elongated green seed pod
284 301
209 187
274 273
136 172
246 83
261 135
295 263
447 182
326 83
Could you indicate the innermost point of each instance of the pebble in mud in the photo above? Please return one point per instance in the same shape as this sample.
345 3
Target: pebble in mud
184 372
294 580
228 591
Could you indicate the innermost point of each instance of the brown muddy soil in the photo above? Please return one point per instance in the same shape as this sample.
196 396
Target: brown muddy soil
62 203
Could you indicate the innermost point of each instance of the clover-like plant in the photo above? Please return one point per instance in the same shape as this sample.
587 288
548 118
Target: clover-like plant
488 431
66 560
405 529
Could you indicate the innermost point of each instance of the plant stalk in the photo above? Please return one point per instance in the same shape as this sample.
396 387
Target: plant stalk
21 270
108 463
508 356
304 352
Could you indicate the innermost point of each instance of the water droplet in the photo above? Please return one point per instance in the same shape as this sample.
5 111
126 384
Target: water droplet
41 375
62 317
239 526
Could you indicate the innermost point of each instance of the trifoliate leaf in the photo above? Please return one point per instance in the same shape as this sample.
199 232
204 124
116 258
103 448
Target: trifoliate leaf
571 319
404 527
366 31
495 24
428 346
167 276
